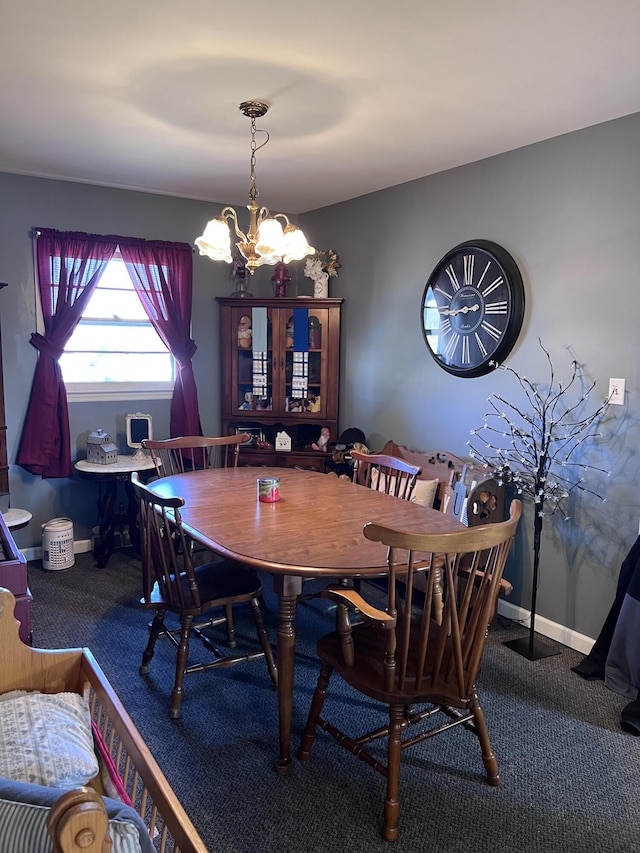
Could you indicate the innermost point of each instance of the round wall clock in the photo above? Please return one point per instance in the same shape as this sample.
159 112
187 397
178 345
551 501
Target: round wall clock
472 308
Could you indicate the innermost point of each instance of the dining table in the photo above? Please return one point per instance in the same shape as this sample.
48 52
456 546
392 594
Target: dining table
313 531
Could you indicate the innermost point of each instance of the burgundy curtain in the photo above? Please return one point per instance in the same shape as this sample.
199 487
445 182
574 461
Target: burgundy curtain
69 266
162 274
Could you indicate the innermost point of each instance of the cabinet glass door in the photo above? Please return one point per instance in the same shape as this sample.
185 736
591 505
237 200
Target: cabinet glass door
253 380
305 360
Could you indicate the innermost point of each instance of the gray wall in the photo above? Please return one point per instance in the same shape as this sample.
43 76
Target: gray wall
567 210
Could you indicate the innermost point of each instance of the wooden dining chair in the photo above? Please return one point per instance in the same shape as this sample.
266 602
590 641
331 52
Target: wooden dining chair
384 473
403 657
171 583
193 452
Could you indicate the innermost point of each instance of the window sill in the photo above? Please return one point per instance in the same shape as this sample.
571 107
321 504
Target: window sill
90 392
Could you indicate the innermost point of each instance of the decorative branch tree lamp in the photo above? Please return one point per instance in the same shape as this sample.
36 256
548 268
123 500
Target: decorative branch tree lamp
533 445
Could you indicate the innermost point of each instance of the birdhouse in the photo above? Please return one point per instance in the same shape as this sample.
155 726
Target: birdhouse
101 449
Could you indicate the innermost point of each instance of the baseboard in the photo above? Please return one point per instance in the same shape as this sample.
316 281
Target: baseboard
80 546
547 628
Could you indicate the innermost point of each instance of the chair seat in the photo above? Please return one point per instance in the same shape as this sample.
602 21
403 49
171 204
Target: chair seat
218 584
368 676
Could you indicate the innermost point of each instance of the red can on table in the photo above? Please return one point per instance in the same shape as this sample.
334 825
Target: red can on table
269 489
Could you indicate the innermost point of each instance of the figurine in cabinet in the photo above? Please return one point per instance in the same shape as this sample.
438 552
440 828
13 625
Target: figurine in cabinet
312 403
323 440
244 332
248 404
294 404
289 334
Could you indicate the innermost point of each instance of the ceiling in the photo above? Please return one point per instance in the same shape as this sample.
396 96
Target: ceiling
364 94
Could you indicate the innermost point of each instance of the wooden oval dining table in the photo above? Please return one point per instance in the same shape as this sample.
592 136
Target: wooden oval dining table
313 531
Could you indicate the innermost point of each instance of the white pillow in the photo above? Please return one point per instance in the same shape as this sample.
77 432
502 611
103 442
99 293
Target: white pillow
45 739
424 491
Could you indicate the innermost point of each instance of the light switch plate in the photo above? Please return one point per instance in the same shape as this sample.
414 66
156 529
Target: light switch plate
616 392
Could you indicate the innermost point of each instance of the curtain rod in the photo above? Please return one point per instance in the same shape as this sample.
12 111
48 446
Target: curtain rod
36 232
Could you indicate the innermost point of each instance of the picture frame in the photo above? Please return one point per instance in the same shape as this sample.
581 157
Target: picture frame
139 426
255 433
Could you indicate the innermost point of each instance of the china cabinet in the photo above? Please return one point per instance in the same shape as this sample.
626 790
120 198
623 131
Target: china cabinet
280 363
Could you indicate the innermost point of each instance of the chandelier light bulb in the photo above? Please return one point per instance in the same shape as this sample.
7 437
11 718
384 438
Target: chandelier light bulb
215 241
270 241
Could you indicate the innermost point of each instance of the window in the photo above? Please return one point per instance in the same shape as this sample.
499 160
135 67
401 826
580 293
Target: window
114 351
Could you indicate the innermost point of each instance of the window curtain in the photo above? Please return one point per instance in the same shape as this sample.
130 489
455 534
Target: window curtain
162 274
69 266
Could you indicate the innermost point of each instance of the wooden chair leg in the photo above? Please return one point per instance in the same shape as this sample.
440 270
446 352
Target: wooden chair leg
157 628
231 631
394 753
319 695
181 664
488 758
263 637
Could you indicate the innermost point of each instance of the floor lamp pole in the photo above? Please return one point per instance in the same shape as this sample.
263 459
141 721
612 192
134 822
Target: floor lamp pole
529 647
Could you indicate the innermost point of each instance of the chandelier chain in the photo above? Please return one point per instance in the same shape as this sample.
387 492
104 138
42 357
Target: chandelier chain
253 193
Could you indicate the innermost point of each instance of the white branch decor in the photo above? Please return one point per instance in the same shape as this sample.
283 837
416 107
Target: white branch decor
533 444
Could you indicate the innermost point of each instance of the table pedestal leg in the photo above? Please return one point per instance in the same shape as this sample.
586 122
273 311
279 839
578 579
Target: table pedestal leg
103 547
132 516
287 589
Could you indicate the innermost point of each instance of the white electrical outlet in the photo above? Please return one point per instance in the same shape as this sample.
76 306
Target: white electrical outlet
616 391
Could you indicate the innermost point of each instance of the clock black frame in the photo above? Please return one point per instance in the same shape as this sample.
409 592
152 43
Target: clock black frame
457 279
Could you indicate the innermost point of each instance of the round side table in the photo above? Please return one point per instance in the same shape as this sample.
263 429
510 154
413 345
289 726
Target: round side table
16 519
107 477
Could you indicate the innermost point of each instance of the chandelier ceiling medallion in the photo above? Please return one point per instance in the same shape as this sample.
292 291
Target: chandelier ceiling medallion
265 242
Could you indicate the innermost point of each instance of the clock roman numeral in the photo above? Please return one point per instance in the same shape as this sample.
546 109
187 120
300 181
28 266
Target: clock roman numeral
481 346
451 346
448 296
466 359
468 261
491 330
453 277
491 287
495 307
484 272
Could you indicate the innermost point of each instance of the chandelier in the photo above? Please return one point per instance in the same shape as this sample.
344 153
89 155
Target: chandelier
265 242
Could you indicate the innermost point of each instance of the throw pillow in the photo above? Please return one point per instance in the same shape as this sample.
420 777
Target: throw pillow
46 739
424 491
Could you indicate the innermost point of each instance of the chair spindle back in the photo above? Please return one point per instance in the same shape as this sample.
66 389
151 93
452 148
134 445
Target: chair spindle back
166 557
194 452
442 656
384 473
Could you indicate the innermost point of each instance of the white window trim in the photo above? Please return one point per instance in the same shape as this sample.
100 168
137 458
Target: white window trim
93 392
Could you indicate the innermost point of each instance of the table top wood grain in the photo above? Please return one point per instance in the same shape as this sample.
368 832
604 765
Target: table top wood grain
314 530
